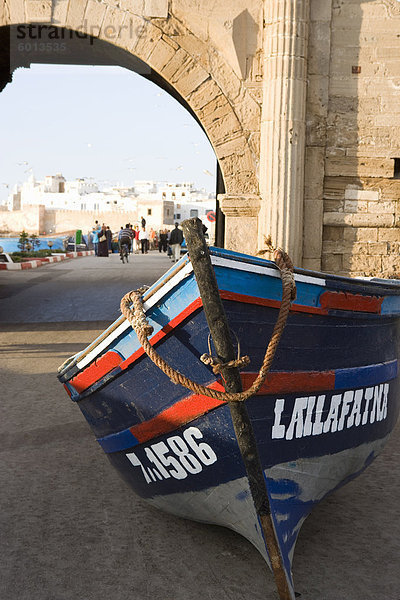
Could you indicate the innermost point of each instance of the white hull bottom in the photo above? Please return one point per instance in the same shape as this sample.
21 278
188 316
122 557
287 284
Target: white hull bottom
230 504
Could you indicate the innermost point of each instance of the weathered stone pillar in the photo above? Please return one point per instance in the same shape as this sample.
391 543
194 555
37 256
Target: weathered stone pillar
283 124
241 222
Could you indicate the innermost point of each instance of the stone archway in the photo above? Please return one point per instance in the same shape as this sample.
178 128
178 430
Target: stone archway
192 66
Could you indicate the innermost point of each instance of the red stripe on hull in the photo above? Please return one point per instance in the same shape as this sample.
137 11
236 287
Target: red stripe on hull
290 382
96 370
353 302
180 413
271 303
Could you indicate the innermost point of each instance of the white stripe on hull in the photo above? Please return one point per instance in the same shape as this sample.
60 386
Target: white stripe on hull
267 271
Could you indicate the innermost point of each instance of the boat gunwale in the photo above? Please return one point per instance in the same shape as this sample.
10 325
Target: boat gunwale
391 286
350 285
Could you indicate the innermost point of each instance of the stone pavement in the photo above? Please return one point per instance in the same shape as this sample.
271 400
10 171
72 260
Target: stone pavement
72 530
88 289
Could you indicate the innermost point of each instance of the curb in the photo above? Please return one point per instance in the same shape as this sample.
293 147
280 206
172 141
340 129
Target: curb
34 264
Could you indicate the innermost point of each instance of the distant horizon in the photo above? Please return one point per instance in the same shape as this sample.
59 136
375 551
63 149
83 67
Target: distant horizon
104 123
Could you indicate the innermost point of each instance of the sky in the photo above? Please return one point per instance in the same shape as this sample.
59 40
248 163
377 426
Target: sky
107 123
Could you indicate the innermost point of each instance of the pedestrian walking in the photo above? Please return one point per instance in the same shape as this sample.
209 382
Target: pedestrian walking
144 240
162 240
95 237
102 243
109 238
152 239
136 242
175 241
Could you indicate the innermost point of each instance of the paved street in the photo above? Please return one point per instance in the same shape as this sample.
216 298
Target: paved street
72 530
83 289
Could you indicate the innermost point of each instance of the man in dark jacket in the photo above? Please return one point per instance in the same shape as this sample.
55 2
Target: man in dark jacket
175 242
125 237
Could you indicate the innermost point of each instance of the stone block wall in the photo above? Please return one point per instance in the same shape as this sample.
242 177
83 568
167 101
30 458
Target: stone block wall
29 219
59 221
361 227
38 220
361 194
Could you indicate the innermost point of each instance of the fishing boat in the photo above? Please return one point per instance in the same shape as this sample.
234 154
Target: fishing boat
319 417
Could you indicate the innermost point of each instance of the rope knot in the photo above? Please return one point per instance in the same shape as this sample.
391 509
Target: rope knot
285 265
148 330
217 365
137 318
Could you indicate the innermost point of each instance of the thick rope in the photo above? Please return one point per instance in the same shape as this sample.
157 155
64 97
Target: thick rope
137 319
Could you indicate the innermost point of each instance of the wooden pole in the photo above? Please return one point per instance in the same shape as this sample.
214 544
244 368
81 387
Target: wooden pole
219 329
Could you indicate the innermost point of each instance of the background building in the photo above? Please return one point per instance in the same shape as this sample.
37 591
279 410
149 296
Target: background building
56 205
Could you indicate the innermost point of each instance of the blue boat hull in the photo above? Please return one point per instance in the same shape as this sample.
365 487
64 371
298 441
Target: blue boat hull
324 413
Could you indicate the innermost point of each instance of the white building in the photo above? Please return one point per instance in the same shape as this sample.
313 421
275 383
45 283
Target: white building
190 210
161 204
145 187
55 193
81 186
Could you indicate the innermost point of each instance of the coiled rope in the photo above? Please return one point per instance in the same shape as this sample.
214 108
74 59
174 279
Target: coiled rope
137 318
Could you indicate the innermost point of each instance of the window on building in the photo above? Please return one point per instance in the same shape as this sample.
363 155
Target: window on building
149 212
396 173
164 195
167 212
194 213
177 216
183 194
